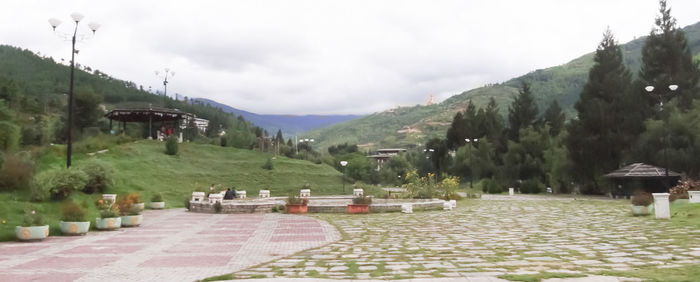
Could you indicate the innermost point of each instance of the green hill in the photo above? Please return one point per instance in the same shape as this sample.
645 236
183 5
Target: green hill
143 167
563 83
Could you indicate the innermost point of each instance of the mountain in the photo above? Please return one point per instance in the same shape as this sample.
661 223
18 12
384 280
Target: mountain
290 124
409 126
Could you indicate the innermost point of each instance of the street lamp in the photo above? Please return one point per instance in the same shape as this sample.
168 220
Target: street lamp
166 72
343 164
471 170
661 97
76 17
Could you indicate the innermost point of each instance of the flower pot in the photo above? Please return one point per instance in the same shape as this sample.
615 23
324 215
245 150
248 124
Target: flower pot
131 220
297 208
32 232
642 210
74 227
353 208
694 197
157 205
141 206
110 223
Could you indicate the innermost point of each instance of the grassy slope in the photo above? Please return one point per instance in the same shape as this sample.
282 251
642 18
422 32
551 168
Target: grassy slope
143 167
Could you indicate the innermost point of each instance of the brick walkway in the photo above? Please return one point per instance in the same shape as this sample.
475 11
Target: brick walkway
171 245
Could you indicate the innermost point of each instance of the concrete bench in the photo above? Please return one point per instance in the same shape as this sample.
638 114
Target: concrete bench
453 203
264 194
305 193
214 198
358 192
407 208
240 194
197 196
447 206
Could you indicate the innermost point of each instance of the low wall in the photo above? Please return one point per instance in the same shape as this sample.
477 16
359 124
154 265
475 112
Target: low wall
316 205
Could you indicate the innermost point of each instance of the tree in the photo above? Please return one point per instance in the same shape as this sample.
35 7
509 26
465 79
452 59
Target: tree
554 118
87 108
457 132
666 60
606 123
522 112
439 157
279 139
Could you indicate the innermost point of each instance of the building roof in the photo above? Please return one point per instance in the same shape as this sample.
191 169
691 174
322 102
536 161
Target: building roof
641 170
144 114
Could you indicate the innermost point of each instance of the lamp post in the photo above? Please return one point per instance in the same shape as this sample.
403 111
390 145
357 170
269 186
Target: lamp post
76 17
343 164
166 72
471 170
661 96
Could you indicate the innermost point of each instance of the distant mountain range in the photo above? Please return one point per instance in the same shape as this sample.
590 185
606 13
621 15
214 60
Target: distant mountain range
289 124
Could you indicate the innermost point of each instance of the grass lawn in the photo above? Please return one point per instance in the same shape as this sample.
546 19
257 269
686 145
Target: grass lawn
144 168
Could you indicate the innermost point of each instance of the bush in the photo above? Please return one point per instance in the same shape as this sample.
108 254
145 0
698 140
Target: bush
187 203
157 197
107 208
10 134
62 182
127 205
224 141
492 186
73 212
16 172
362 200
642 198
36 193
99 176
296 200
680 191
532 186
32 218
268 164
171 145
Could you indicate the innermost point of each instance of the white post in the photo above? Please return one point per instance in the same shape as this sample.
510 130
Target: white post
661 205
694 196
511 191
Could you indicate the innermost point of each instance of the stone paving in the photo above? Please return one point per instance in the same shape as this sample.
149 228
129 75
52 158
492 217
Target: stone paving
171 245
489 237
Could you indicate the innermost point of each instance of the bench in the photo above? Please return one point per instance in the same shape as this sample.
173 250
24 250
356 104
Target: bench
358 192
305 193
197 196
264 194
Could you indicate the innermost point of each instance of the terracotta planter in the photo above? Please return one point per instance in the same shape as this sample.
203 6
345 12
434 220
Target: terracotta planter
157 205
74 227
297 208
352 208
642 210
110 223
32 232
131 220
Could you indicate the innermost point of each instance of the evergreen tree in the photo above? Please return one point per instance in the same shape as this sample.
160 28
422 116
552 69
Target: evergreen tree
279 138
87 108
606 124
667 60
457 132
554 118
522 112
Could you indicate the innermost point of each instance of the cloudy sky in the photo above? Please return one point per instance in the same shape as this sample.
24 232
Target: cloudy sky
329 57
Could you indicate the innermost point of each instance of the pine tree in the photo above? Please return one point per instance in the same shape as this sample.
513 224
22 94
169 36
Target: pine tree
456 133
600 134
522 112
554 117
667 60
279 137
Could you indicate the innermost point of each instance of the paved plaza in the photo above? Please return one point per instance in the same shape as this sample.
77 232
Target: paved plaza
171 245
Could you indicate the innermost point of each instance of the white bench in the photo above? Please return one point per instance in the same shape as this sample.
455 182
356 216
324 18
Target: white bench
264 194
358 192
407 208
447 206
240 194
305 193
214 198
197 196
453 203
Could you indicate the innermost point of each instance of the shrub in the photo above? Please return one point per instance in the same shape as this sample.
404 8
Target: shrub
448 186
224 141
107 208
492 186
362 200
126 205
99 176
680 191
268 164
187 203
36 193
16 172
171 146
532 186
157 197
642 198
72 212
296 200
10 134
62 182
134 198
32 218
217 207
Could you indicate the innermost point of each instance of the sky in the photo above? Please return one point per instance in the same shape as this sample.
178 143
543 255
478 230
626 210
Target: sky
328 57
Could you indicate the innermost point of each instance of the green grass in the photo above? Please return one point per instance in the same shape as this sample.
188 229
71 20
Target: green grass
538 277
144 168
684 273
220 278
686 215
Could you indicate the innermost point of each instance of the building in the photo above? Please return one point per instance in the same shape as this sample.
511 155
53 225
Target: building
383 155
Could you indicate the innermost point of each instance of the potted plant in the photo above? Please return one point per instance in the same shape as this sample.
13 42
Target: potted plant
109 215
360 204
157 201
73 220
130 213
33 227
135 199
642 203
296 204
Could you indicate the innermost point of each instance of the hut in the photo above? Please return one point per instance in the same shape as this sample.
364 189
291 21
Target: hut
165 121
639 176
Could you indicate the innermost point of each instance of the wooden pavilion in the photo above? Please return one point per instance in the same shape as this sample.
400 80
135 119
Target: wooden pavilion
639 176
167 120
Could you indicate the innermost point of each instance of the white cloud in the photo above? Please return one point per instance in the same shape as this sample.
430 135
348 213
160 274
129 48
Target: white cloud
328 57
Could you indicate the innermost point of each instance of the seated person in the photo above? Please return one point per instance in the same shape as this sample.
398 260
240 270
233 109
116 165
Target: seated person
229 195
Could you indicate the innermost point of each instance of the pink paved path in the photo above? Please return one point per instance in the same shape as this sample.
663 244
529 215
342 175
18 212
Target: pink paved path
170 245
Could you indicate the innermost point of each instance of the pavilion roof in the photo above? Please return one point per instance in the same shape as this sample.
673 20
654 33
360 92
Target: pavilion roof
641 170
146 113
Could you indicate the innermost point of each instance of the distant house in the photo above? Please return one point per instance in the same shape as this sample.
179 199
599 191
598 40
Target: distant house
639 176
382 155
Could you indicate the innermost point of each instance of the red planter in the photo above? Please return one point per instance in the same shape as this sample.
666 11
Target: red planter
352 208
297 208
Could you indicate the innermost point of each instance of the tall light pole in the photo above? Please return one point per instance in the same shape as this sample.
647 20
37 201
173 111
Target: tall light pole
471 170
166 72
343 164
76 17
661 96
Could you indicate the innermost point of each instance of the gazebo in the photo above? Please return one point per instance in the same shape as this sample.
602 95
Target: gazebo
640 176
168 119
